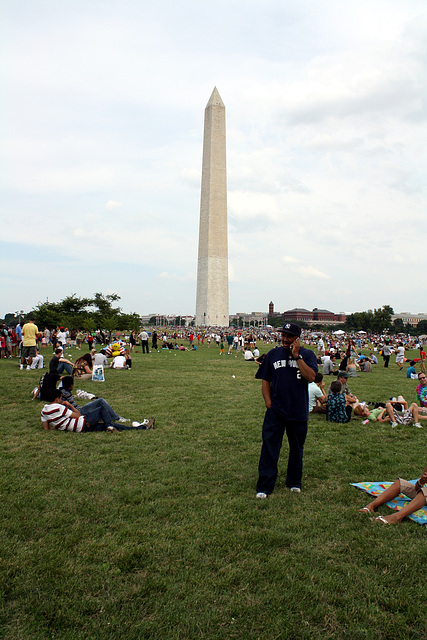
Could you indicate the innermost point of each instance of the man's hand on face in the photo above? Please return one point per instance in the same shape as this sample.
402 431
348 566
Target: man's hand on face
295 347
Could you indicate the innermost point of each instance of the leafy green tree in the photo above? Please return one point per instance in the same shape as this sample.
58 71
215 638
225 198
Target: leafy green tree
398 325
421 327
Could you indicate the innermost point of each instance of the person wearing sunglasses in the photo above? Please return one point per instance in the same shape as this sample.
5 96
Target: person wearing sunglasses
422 391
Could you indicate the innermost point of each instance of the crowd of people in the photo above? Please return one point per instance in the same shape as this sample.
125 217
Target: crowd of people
292 385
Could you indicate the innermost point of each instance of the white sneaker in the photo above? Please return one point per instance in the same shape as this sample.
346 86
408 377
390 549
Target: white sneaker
394 425
140 424
123 420
261 495
295 490
28 368
418 425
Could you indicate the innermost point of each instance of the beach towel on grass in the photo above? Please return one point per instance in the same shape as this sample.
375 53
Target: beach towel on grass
376 488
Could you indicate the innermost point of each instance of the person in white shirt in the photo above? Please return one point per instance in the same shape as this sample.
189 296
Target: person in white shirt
316 395
400 355
143 336
118 362
61 337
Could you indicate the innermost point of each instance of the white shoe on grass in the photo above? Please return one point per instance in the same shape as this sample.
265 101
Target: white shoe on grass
418 425
261 495
394 425
295 490
140 424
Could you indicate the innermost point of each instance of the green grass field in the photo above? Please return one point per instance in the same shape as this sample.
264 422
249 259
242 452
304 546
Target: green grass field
158 534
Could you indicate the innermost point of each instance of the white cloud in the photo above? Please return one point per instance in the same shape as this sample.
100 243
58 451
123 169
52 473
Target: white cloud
307 271
112 204
326 125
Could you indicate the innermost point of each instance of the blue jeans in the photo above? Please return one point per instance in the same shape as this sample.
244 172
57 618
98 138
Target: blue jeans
99 409
273 430
65 366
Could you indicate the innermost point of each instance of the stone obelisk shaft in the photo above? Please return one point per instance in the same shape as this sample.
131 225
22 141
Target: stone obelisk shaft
212 270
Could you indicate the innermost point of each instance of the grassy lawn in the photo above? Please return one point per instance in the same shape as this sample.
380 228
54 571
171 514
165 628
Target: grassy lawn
158 534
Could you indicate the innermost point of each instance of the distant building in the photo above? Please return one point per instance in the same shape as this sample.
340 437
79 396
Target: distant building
409 318
317 316
256 318
303 315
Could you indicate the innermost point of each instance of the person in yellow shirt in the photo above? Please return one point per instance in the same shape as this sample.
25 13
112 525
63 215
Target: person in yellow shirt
29 335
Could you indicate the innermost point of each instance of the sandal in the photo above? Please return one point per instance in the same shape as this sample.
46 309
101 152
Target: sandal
365 510
381 519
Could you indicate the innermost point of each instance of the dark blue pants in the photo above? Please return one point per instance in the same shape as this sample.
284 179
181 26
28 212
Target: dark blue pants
144 346
273 429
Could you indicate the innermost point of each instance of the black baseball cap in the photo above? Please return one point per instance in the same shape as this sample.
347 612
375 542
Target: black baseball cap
291 328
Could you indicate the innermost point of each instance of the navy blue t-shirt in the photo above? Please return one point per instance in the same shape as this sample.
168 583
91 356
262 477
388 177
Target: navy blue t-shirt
289 390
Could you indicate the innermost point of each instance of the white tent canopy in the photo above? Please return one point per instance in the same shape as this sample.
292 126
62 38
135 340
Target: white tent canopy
340 332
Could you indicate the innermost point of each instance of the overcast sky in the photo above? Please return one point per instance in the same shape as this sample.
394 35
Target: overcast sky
102 130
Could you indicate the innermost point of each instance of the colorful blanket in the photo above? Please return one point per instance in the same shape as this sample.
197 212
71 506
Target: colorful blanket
375 488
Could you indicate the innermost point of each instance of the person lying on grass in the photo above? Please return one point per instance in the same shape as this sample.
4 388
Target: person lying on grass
399 412
395 411
61 415
416 492
379 414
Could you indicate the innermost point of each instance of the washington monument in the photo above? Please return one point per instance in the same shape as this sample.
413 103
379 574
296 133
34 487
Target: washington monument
212 268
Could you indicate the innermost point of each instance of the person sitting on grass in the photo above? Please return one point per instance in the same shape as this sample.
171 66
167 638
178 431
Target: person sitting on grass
316 395
128 359
59 414
100 358
399 413
47 383
119 362
58 363
422 390
416 492
38 361
337 409
328 365
351 368
83 367
410 371
350 398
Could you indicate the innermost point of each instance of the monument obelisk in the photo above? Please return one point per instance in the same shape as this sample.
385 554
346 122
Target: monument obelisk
212 268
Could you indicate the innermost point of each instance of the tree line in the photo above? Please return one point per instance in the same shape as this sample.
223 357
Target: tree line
74 312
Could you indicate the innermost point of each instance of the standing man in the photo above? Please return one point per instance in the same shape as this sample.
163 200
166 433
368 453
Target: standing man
29 335
143 336
285 373
400 355
386 353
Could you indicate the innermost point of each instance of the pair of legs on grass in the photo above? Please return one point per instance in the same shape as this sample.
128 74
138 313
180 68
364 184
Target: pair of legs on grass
417 495
273 430
99 410
405 416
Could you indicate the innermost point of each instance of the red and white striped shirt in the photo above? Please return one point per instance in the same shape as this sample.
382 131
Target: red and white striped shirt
58 417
